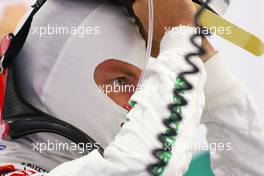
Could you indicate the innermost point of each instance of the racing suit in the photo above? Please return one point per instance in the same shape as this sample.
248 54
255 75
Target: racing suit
230 116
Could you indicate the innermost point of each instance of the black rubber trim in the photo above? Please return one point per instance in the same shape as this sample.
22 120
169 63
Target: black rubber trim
21 125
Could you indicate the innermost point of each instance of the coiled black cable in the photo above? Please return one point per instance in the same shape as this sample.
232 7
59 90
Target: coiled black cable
163 155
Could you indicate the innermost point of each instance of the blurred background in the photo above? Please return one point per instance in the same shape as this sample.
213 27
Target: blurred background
248 14
11 12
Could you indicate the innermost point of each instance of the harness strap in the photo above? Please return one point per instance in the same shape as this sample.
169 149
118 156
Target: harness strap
20 37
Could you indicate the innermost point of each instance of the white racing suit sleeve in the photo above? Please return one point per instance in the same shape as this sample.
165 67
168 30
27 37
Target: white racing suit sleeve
234 124
131 151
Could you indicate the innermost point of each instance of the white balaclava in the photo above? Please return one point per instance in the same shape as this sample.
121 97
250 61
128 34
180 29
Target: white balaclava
55 72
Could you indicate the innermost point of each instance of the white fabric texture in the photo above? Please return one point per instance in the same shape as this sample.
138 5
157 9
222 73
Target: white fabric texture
130 152
56 72
230 116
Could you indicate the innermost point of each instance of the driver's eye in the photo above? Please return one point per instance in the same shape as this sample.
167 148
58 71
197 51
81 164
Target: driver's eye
119 81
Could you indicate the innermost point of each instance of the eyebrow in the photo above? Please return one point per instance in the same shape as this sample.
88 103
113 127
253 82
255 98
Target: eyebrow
126 71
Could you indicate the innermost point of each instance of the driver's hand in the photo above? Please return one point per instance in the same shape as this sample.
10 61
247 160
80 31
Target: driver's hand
167 14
